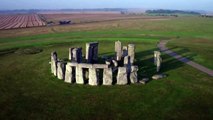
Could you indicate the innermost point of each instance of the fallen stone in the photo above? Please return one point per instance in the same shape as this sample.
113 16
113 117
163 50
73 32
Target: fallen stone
144 81
158 76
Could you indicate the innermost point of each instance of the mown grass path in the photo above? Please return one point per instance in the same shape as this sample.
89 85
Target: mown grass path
163 48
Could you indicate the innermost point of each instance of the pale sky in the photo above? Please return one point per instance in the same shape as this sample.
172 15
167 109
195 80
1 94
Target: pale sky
80 4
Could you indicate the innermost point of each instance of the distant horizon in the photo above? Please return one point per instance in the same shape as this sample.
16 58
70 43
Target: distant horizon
104 8
198 5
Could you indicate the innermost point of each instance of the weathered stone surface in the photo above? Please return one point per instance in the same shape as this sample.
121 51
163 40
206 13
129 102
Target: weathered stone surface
127 60
131 53
54 63
54 67
157 60
61 70
122 76
74 54
79 75
128 65
115 63
125 51
134 74
87 51
85 65
70 53
68 74
54 55
100 66
108 62
144 80
92 52
93 79
118 50
158 76
77 55
107 76
95 52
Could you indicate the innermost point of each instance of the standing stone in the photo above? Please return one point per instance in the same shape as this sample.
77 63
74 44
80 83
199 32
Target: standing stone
95 53
127 60
77 55
157 60
54 67
70 53
118 50
79 74
127 64
107 76
61 70
93 78
92 52
131 53
134 74
122 76
54 56
54 63
88 51
125 51
68 74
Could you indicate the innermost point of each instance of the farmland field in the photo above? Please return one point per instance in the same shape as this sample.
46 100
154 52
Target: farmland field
94 17
28 90
20 21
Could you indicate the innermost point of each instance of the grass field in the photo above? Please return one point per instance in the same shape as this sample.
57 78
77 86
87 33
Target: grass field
29 91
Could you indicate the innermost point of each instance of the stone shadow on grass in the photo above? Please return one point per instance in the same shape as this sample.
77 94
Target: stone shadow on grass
147 67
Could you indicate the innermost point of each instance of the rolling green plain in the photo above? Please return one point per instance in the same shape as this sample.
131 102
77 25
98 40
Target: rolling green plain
28 90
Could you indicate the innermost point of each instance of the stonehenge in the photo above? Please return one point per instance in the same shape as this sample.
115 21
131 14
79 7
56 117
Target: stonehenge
117 70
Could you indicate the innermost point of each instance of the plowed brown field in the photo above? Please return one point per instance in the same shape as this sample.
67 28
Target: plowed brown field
20 21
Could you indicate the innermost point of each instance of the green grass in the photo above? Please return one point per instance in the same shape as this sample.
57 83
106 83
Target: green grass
198 50
28 90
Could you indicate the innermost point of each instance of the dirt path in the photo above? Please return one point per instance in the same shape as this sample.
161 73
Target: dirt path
163 48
